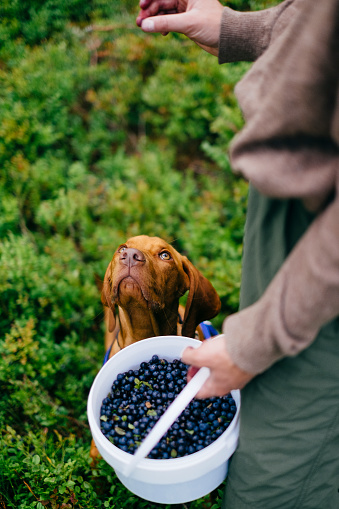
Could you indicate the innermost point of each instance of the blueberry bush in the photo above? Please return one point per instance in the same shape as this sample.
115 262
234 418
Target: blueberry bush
105 133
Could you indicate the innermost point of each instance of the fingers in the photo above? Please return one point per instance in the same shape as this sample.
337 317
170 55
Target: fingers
151 8
166 23
158 4
194 356
225 375
192 370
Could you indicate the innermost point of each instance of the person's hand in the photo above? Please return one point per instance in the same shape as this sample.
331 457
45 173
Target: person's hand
225 375
199 20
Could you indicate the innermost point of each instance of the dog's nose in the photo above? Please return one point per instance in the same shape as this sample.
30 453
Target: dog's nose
131 256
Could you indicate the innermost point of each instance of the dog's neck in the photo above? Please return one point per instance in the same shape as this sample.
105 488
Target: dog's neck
140 323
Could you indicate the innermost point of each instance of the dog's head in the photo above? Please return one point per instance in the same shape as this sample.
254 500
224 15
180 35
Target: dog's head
149 272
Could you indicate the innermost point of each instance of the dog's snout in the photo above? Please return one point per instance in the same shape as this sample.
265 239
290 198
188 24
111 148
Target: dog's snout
131 256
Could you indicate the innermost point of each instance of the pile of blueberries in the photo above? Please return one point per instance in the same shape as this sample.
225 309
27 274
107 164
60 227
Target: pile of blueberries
138 399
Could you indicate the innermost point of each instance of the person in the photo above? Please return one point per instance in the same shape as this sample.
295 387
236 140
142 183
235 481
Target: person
282 347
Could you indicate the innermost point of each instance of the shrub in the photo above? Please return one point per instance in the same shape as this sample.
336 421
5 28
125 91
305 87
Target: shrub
105 133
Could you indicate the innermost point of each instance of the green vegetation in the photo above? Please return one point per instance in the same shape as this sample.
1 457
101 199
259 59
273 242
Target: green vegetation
105 133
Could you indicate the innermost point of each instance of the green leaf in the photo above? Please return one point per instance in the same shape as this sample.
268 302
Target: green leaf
174 453
36 459
148 385
152 412
120 431
104 418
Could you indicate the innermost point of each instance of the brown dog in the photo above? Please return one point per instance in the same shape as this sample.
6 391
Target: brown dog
142 287
144 281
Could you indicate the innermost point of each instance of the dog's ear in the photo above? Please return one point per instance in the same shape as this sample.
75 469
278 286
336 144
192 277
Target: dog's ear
203 301
107 301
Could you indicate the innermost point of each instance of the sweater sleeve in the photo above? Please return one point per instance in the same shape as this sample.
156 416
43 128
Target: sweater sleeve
289 148
303 296
244 36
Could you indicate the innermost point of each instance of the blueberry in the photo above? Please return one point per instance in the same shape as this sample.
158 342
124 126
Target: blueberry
203 426
181 450
106 426
122 440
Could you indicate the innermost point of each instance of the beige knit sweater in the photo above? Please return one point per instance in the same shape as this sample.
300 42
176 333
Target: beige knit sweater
289 148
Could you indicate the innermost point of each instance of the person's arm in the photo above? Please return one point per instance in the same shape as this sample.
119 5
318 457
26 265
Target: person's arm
290 149
219 30
303 297
244 36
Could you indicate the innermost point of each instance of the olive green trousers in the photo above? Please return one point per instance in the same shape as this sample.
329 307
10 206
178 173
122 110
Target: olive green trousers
288 451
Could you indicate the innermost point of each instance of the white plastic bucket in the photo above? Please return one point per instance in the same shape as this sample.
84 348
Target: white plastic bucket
171 481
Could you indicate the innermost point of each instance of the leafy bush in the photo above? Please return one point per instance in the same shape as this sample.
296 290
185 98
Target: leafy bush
105 133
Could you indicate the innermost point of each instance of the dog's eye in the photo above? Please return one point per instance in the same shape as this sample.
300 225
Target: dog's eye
121 249
165 256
